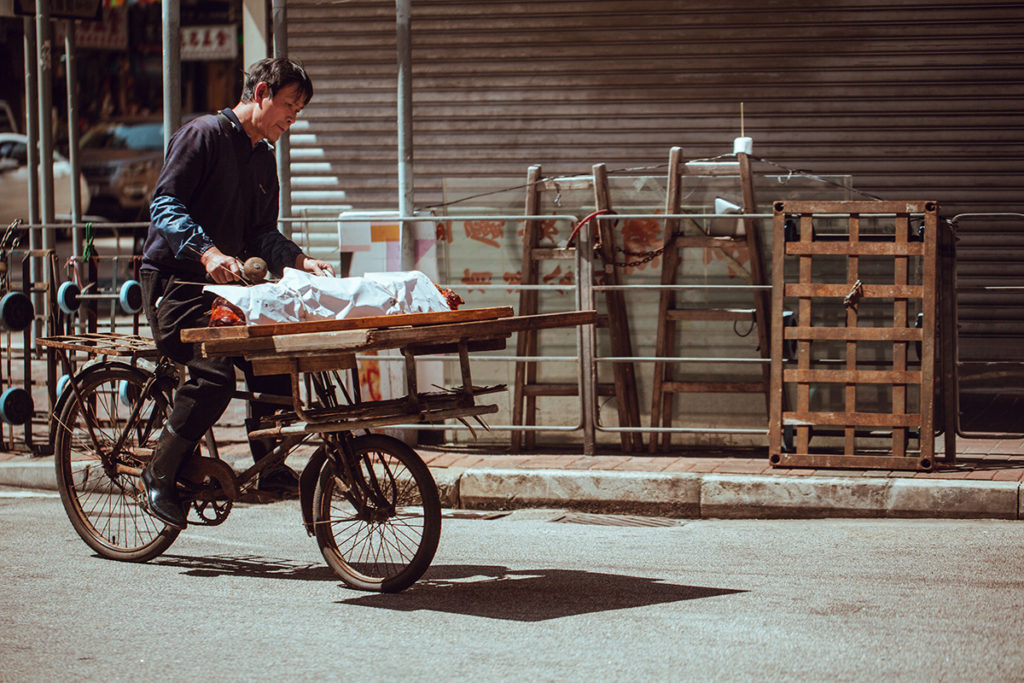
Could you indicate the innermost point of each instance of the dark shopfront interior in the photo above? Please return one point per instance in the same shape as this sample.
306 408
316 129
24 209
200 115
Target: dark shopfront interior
119 66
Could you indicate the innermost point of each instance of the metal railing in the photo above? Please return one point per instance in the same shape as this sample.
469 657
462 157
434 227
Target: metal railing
583 292
587 358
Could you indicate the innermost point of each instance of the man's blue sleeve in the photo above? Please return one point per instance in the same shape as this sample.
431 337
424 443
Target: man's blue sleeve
186 238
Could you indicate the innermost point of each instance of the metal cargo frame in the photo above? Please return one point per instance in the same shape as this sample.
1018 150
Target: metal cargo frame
796 238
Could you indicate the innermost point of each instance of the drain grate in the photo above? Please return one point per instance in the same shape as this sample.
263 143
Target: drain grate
615 520
474 514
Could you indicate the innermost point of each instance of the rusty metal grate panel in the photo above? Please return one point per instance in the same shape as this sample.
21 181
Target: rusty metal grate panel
862 278
103 344
615 520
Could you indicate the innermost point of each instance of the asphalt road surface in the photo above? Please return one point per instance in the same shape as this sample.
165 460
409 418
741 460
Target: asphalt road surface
534 595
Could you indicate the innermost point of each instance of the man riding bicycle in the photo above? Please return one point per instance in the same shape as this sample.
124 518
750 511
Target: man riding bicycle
215 204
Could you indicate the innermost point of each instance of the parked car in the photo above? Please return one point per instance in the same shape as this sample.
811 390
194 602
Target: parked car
14 181
7 124
121 160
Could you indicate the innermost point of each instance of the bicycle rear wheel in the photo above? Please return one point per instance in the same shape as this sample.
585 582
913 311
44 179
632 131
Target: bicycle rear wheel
101 490
379 521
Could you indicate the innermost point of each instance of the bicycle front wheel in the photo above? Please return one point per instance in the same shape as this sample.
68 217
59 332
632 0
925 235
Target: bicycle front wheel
100 488
377 514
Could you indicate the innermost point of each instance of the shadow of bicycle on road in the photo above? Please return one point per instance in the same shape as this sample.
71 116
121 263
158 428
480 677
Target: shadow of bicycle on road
497 592
491 591
252 566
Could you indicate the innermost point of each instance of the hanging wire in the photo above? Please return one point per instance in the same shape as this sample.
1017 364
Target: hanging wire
539 181
790 172
793 171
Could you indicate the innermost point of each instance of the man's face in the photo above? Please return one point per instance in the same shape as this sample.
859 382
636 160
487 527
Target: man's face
276 113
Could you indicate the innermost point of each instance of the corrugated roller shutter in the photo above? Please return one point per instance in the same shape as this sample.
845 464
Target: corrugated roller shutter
348 130
913 99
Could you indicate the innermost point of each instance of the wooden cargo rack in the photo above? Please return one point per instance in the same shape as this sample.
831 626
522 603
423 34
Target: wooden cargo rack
313 346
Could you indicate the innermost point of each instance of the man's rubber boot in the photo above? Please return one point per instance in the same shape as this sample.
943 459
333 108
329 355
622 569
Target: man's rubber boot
159 479
280 480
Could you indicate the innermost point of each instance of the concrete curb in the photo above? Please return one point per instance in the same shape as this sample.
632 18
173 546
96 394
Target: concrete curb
682 494
952 498
34 473
748 496
669 495
739 495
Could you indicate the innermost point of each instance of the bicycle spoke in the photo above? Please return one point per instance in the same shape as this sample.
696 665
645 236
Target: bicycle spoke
110 424
376 512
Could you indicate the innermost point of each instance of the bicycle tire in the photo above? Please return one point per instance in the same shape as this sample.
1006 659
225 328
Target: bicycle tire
105 506
386 544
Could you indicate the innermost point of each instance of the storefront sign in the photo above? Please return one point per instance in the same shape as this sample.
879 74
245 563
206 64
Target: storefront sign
109 34
205 43
62 9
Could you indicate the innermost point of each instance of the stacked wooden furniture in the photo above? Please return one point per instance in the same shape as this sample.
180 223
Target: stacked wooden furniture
669 378
527 387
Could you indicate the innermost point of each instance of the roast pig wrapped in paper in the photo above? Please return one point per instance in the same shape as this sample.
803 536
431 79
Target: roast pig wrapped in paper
299 296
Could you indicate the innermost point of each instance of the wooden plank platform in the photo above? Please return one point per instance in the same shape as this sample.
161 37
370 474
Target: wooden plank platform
202 334
298 341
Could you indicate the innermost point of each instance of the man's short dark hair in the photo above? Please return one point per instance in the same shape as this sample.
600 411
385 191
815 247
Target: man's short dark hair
277 73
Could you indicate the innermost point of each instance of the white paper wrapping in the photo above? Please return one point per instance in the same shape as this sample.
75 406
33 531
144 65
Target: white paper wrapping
300 296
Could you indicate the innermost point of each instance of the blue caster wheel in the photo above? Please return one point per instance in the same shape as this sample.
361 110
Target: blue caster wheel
130 297
16 311
16 406
67 297
62 384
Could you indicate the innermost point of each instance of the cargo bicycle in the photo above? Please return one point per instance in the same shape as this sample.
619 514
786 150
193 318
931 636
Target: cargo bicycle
368 499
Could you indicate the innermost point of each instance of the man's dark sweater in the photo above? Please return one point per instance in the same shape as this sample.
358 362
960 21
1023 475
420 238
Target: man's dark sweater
216 189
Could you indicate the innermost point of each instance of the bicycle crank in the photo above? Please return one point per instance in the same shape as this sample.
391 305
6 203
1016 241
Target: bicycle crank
211 485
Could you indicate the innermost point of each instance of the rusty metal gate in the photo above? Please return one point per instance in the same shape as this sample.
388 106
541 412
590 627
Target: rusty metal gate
863 276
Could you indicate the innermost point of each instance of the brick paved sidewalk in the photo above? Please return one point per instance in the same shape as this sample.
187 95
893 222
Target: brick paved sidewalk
977 459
